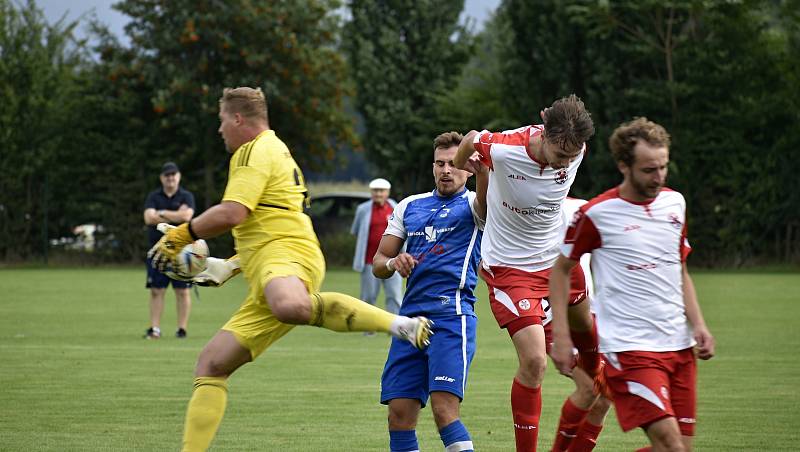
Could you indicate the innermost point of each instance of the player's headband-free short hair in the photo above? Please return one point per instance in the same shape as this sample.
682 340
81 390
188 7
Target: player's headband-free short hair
447 140
567 123
624 138
248 102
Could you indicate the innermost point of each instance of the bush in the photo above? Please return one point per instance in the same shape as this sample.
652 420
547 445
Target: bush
338 248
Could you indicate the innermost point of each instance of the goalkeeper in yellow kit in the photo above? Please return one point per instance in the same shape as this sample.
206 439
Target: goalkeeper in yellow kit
279 256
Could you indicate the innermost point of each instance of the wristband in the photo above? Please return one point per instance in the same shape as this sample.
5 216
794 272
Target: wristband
390 265
191 232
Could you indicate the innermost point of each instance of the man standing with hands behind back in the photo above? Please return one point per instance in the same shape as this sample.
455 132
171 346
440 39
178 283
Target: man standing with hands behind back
369 224
174 205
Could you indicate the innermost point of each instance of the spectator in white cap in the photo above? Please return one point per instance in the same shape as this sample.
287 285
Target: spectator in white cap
369 224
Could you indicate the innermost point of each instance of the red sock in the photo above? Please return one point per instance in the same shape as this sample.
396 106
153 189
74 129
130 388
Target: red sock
645 449
568 423
588 356
526 406
586 438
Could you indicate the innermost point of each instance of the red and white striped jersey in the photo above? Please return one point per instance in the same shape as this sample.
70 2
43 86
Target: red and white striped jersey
524 225
638 250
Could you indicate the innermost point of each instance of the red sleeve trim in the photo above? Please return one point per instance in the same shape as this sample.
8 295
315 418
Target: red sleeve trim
684 247
483 144
582 234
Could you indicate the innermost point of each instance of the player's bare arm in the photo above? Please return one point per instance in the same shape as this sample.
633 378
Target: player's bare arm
465 150
481 187
219 219
213 222
389 259
559 299
705 341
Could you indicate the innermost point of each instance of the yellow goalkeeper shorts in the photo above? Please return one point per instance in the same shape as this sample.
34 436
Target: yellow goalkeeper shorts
254 325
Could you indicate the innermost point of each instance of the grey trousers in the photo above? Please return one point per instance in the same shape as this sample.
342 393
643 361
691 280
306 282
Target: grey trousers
392 289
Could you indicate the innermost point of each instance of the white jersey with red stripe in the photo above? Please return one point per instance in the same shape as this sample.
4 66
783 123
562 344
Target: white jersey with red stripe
569 209
638 250
524 223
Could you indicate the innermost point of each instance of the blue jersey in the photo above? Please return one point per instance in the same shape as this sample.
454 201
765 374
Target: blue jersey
444 235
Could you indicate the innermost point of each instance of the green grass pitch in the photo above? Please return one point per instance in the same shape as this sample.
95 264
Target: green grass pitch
75 374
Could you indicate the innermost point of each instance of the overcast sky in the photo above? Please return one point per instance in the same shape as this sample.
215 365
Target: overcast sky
55 9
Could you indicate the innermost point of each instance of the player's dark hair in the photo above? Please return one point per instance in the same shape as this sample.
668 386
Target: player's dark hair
568 124
447 140
624 138
248 102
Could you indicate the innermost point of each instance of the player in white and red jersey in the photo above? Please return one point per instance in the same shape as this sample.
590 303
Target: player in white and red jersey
648 318
531 171
584 410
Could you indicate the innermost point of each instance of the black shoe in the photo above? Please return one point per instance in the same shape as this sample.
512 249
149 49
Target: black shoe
152 333
181 333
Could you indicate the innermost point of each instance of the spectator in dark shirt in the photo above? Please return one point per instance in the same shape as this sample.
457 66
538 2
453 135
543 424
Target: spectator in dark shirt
168 204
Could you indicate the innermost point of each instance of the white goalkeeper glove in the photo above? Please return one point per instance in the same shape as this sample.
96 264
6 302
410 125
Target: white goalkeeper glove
218 271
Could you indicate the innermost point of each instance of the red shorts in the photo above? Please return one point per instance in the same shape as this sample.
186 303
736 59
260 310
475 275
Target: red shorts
517 295
648 386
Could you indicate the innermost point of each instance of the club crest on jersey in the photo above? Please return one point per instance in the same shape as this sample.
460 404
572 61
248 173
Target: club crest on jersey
675 221
430 233
561 176
524 304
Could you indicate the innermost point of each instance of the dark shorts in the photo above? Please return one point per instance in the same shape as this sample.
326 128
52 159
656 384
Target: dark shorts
158 280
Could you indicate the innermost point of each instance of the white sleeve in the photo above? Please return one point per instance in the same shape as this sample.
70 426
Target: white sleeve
396 226
471 196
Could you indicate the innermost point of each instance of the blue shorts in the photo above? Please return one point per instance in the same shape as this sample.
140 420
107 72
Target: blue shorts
158 280
443 366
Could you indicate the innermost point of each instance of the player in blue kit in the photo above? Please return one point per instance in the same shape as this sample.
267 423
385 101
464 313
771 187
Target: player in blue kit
442 232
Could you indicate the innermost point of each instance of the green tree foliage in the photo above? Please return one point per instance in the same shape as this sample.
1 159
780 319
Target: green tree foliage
110 153
103 128
680 63
404 56
38 80
188 51
476 101
721 76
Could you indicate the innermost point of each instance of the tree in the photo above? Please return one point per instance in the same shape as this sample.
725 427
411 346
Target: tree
188 51
38 76
404 55
722 77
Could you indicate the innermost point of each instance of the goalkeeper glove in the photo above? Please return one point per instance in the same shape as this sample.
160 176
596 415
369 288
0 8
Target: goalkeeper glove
170 244
218 271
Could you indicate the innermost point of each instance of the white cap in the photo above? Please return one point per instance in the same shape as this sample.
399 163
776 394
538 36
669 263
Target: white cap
380 184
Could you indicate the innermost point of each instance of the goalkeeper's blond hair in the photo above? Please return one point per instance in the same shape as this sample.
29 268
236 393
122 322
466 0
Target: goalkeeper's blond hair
248 102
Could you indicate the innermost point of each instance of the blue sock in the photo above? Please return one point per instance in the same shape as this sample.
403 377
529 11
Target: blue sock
403 441
456 437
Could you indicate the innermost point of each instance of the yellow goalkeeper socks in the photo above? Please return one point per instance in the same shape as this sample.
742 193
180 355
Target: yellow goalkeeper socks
340 312
205 412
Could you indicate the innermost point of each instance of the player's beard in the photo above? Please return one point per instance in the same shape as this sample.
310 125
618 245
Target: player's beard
644 189
447 188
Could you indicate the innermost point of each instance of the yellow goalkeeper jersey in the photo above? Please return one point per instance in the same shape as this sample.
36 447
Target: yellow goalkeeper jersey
264 177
